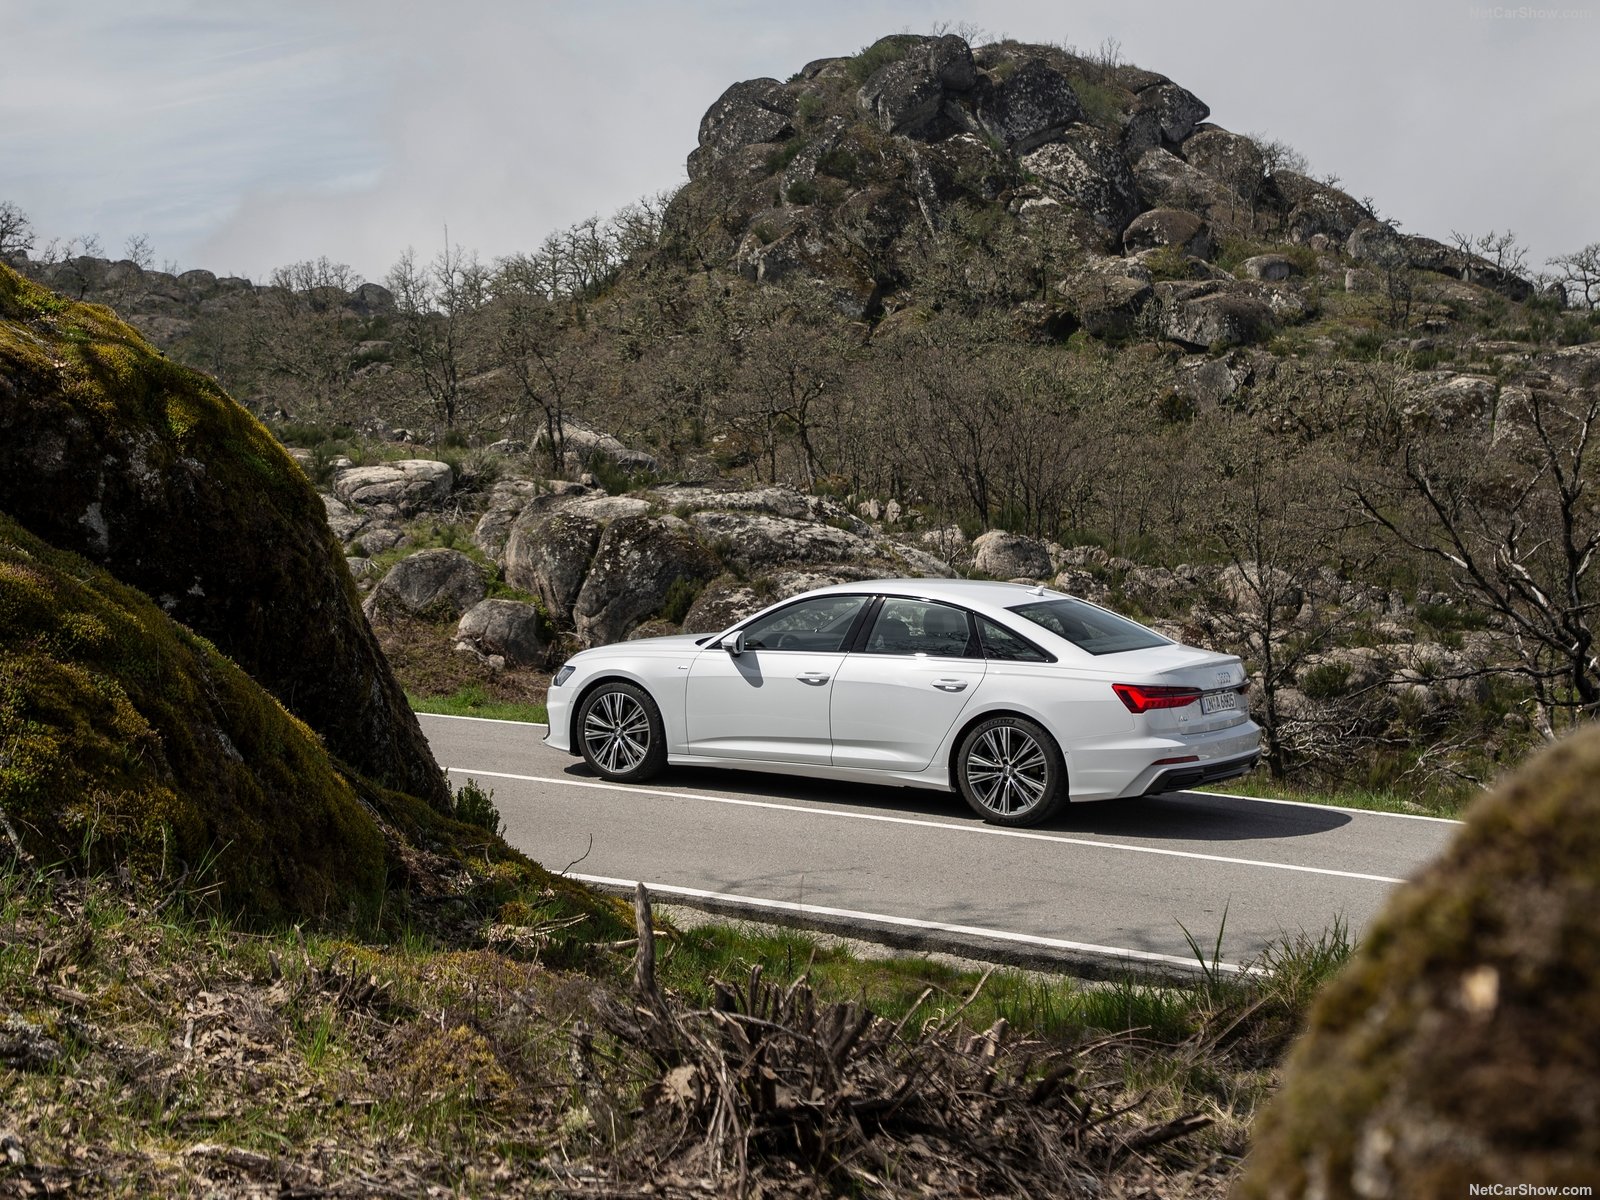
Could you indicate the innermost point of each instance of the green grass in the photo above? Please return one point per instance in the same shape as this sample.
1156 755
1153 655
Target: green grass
473 701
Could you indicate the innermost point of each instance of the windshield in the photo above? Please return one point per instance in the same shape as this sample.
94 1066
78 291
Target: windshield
1089 628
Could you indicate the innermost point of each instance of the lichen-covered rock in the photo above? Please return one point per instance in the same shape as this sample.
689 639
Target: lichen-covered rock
1010 556
1163 114
1168 227
1461 1045
409 484
1230 158
1318 208
112 451
1165 181
439 581
1087 170
130 740
513 629
638 560
748 113
1033 105
724 601
507 500
754 541
1205 315
1107 296
548 554
1269 268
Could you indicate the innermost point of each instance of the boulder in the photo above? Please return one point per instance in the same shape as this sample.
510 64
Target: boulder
548 553
1085 168
1164 180
1206 315
905 97
1377 244
583 446
507 500
724 601
1269 268
637 561
1209 382
1230 158
408 485
754 541
1162 115
1318 210
122 723
344 523
1033 105
115 452
512 629
1461 1043
1107 297
429 582
1173 227
749 113
1010 556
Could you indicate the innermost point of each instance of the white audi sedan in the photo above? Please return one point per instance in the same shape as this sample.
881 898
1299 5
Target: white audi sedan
1020 698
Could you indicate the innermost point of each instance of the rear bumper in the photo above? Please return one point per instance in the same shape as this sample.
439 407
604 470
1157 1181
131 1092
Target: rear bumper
1193 775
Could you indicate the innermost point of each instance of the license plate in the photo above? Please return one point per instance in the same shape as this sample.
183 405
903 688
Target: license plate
1215 702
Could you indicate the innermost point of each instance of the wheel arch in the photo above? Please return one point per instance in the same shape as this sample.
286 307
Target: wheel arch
589 687
977 719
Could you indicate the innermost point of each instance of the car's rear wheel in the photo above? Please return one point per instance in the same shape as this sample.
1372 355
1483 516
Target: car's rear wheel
1011 772
620 733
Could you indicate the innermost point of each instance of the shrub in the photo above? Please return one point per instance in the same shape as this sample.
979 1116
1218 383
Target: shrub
880 54
801 191
839 163
1325 681
471 805
681 594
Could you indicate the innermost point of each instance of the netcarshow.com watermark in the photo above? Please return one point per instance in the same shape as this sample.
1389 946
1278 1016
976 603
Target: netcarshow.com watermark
1526 12
1524 1189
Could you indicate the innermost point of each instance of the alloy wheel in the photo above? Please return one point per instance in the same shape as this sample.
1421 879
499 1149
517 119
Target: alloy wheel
616 731
1007 771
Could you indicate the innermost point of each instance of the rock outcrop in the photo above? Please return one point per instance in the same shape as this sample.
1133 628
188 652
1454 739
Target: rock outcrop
131 740
112 451
1461 1045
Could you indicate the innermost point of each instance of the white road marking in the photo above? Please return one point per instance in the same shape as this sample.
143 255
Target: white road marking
490 720
1363 812
912 923
990 830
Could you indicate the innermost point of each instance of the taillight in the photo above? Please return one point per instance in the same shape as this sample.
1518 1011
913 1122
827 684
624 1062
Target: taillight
1139 698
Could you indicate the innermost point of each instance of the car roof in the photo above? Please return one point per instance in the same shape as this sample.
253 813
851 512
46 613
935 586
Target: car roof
973 593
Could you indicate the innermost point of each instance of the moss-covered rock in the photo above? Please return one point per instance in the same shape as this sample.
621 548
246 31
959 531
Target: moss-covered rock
110 450
127 739
1462 1043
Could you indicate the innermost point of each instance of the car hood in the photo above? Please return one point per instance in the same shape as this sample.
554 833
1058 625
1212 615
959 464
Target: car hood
677 643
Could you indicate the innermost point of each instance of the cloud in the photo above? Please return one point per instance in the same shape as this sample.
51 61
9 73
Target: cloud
244 137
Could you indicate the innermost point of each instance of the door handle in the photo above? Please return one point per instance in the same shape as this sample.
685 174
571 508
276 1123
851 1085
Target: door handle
814 678
950 685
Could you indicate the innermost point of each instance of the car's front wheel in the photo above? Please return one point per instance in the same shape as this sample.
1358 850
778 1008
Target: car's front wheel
1011 772
620 733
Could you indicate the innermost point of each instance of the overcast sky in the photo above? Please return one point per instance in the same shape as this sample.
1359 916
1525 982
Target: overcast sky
243 135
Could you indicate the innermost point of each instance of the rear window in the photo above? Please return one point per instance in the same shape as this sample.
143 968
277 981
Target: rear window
1089 628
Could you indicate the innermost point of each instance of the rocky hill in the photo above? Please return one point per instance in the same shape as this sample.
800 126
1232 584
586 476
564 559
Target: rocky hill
1123 194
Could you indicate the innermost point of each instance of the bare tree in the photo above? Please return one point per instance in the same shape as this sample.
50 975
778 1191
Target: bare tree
1578 274
1508 507
137 248
436 305
304 333
16 231
537 343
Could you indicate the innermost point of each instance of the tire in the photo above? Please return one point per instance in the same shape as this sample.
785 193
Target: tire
1010 772
620 733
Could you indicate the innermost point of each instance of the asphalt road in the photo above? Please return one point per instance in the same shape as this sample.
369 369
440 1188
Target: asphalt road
1120 880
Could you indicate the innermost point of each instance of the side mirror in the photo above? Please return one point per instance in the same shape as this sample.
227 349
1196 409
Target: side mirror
735 644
